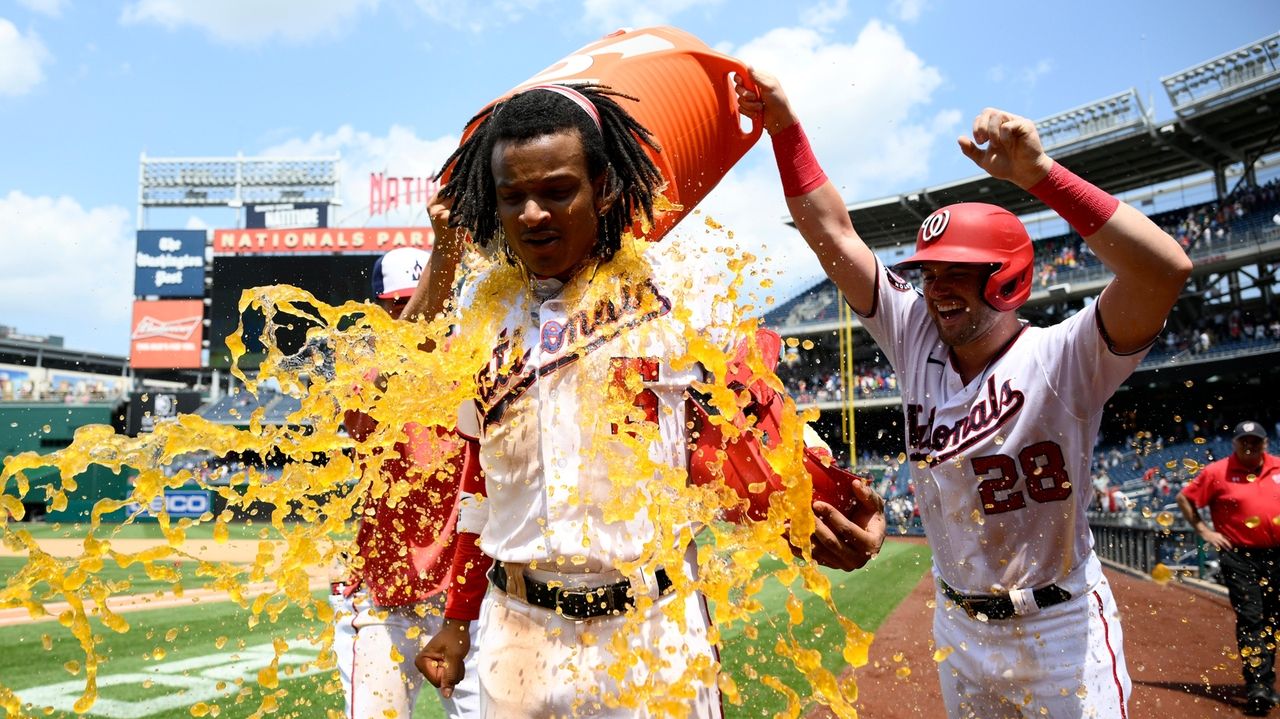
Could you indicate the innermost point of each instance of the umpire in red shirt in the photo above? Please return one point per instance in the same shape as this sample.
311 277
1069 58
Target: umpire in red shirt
1242 492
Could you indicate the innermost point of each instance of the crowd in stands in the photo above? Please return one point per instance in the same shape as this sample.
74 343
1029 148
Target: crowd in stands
1212 223
1059 255
1195 228
69 391
809 384
1222 329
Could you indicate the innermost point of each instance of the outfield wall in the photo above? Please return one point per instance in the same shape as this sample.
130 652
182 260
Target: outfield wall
44 428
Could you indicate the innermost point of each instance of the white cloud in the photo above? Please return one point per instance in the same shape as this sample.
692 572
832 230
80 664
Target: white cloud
865 105
22 58
399 153
867 109
1031 74
249 21
748 203
907 10
1026 76
68 270
52 8
825 14
609 15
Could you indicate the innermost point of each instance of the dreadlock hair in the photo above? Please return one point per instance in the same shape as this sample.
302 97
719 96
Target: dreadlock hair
614 150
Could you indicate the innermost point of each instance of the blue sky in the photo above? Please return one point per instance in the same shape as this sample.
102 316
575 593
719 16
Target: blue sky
884 88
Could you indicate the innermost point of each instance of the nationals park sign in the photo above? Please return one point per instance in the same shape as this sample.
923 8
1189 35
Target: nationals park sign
323 240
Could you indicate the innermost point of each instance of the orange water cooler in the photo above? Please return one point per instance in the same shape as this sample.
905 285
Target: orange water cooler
686 99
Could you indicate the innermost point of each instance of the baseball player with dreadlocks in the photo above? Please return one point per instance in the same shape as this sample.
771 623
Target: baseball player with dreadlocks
1000 416
550 179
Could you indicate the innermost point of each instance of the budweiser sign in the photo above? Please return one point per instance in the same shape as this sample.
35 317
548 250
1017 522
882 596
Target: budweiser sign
167 334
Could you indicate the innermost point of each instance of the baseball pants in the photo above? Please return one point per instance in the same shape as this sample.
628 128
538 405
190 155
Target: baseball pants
1253 583
1064 661
384 642
536 664
344 637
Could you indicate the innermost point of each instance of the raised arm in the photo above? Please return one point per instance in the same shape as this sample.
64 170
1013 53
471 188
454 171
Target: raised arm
815 205
1150 268
435 286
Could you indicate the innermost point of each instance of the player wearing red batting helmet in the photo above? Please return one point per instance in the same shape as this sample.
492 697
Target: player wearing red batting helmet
1000 416
980 234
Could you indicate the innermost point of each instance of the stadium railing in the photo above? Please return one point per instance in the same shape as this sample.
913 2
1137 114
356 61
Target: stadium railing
1139 543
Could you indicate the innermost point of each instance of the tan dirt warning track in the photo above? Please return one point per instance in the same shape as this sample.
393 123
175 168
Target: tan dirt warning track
234 550
1179 642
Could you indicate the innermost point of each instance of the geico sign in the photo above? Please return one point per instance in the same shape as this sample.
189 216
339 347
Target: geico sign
193 503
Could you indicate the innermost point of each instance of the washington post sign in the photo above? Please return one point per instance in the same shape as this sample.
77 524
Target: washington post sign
169 263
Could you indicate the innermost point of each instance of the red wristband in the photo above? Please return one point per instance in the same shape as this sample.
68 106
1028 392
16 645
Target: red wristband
799 169
1082 204
467 580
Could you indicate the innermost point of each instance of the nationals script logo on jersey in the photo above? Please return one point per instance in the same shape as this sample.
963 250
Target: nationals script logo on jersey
939 442
509 374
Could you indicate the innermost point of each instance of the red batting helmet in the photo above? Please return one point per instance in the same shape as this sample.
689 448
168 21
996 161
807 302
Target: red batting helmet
978 233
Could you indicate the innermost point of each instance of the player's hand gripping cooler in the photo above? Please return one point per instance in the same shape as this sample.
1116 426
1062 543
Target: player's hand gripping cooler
685 98
740 462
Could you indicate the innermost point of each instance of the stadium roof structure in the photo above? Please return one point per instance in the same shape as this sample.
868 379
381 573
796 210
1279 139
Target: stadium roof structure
1227 111
33 354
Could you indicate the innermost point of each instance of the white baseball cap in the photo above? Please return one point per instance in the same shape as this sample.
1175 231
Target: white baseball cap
396 273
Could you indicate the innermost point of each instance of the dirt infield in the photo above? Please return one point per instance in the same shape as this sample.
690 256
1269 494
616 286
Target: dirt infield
1179 642
235 550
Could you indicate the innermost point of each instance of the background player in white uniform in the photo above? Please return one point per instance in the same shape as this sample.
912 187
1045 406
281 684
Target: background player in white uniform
1001 417
392 602
568 172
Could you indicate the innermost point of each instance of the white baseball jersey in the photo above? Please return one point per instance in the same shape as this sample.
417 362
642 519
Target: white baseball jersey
1001 464
546 448
554 462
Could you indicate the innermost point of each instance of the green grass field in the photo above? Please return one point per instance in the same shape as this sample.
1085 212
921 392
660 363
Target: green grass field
139 582
145 530
170 658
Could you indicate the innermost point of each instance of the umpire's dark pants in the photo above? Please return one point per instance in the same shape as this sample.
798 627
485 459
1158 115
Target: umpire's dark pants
1252 577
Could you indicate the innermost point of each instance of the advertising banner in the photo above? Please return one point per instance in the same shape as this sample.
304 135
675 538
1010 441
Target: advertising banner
389 193
166 334
177 503
286 215
369 240
169 263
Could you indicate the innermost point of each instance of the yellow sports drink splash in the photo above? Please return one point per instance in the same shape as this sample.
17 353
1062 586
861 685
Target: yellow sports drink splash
687 101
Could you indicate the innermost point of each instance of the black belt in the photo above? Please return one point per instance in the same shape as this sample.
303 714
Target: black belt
1000 606
578 602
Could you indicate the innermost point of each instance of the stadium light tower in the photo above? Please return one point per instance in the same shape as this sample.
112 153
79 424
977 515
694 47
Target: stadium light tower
1218 81
1094 123
234 181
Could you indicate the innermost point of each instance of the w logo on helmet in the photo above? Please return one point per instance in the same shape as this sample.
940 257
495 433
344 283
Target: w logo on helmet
934 225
